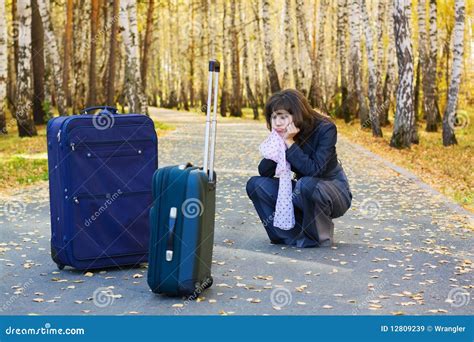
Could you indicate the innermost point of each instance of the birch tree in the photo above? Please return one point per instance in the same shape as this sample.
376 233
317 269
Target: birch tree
356 65
404 115
430 94
110 87
449 117
52 54
246 64
267 37
24 106
133 85
373 115
68 50
3 67
315 92
147 42
235 100
341 43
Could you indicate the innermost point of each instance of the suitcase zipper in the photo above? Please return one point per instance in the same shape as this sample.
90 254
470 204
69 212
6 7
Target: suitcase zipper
75 146
76 198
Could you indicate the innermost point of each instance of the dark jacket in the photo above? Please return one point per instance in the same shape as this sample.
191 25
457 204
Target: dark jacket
315 157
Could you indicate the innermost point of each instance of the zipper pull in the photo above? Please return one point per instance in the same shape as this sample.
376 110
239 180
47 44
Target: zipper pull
59 135
73 146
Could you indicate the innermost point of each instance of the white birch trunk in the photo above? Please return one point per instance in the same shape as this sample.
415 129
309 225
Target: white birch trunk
449 118
52 54
133 85
3 67
373 115
24 105
404 116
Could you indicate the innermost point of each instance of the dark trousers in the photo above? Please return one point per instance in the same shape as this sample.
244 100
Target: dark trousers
316 202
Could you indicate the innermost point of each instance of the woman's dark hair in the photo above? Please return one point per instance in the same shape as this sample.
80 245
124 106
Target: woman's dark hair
294 102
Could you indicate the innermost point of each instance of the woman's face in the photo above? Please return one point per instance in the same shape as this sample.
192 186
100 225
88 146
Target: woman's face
280 120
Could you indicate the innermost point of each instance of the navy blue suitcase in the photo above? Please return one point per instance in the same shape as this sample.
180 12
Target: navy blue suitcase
100 171
182 219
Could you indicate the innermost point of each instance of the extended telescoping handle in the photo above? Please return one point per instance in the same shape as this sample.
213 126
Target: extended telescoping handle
214 68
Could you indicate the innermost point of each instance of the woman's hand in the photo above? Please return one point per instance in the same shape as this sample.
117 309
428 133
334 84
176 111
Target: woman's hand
291 131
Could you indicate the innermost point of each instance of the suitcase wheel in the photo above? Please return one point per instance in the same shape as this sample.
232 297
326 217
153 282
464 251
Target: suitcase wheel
208 282
60 266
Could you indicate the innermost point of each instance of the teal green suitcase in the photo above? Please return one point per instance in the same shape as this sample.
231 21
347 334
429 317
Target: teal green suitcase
182 219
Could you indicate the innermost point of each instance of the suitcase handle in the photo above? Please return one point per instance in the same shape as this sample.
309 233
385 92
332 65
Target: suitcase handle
110 109
208 167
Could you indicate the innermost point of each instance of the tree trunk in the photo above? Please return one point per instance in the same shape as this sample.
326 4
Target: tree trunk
267 37
112 53
404 116
80 56
381 11
37 46
357 94
68 51
236 98
290 46
373 115
285 79
52 53
449 117
192 55
3 67
314 90
343 111
246 65
390 75
225 38
133 85
147 42
91 99
321 78
430 94
24 106
416 105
